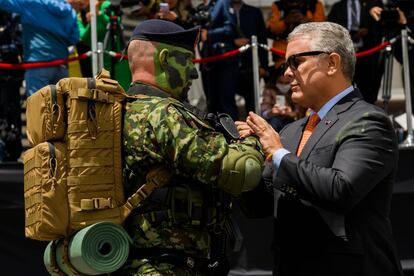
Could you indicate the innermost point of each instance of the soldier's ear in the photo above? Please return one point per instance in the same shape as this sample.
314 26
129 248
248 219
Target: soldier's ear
163 57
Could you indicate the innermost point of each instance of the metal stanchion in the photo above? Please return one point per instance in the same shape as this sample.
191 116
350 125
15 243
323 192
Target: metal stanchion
256 79
100 56
386 86
94 38
408 142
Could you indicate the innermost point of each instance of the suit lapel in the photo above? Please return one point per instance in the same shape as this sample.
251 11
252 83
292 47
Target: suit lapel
292 143
328 121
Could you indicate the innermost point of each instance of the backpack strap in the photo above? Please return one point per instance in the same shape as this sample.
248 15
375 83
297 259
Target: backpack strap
156 178
55 270
66 261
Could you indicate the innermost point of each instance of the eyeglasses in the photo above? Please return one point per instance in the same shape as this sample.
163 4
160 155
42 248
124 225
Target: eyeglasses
293 62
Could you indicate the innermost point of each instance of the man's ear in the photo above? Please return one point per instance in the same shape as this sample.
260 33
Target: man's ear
163 57
334 63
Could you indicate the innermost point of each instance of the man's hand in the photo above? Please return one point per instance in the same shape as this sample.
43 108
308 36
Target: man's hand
280 110
268 137
262 72
375 13
169 15
241 41
204 35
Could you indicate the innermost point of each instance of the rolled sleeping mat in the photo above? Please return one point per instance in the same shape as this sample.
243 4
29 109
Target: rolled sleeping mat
97 249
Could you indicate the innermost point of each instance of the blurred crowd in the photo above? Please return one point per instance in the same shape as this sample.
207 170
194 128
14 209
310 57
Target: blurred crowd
226 25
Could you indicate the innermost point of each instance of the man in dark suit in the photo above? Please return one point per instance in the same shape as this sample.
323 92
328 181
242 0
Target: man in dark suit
333 194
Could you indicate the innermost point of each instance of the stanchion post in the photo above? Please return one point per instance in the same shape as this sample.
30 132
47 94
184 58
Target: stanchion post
387 79
94 38
408 142
100 56
256 79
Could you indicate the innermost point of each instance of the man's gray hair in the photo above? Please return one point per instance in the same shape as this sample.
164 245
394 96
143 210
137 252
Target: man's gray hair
329 37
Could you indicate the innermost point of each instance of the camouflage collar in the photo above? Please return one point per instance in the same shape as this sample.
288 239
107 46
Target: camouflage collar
138 88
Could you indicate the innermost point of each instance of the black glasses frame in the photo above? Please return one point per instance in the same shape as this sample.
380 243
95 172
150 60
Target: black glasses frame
293 61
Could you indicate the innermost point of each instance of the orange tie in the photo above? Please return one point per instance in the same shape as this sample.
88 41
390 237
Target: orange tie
310 126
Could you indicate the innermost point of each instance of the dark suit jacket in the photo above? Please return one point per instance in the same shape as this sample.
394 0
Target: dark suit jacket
333 216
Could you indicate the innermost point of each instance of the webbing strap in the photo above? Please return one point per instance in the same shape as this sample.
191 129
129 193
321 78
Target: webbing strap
53 264
156 178
90 179
80 162
32 218
32 200
99 143
65 258
30 164
96 203
92 94
82 126
30 182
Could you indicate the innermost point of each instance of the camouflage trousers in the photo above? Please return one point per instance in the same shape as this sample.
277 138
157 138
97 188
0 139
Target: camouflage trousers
144 267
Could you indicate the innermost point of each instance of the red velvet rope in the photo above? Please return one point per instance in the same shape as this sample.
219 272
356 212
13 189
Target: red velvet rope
217 57
278 52
31 65
373 50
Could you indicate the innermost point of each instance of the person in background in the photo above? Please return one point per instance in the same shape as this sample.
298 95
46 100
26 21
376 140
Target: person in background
354 16
10 84
286 15
248 22
219 77
49 28
332 172
180 229
277 106
106 28
390 18
180 12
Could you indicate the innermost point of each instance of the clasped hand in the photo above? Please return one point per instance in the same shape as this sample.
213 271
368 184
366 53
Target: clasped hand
256 125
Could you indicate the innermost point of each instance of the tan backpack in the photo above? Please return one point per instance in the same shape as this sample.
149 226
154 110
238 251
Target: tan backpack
73 173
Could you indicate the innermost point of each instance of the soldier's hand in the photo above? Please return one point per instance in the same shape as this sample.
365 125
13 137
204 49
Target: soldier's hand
244 129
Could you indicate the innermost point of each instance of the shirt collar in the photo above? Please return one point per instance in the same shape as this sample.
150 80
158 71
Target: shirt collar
326 107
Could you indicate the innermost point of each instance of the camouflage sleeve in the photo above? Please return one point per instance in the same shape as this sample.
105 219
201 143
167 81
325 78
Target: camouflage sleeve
169 135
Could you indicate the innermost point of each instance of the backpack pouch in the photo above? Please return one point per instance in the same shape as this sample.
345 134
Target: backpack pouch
45 192
95 191
45 115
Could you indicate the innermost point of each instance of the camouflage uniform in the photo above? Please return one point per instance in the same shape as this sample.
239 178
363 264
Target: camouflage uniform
180 228
162 132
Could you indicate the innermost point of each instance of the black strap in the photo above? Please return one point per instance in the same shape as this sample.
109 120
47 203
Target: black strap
91 83
143 89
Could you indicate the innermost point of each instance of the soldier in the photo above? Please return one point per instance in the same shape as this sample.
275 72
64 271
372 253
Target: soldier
181 228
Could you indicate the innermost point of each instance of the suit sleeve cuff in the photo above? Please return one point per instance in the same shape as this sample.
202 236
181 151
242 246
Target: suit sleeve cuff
278 156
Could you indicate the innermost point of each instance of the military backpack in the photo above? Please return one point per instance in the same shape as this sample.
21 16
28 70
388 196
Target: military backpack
73 172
